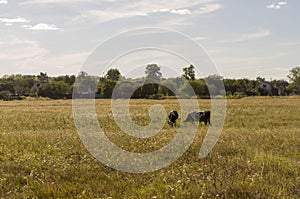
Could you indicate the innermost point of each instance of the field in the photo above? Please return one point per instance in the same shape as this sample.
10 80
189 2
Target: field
257 155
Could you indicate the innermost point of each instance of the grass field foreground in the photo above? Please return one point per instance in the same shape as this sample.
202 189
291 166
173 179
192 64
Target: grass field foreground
257 156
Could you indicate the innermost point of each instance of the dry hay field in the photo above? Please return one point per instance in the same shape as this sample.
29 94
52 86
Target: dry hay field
257 155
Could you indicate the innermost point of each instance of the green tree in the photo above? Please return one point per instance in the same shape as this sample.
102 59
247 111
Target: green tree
55 90
199 87
153 72
215 85
4 95
7 84
113 74
294 75
167 87
68 79
189 73
23 83
124 89
86 80
260 79
137 93
294 78
108 87
230 86
187 89
149 89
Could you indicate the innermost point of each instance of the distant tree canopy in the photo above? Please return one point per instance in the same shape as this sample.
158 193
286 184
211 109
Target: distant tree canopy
55 90
151 86
66 79
113 74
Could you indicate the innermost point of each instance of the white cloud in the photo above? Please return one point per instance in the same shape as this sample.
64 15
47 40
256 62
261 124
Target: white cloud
126 9
3 2
282 3
277 5
13 20
162 10
181 12
41 26
173 11
273 6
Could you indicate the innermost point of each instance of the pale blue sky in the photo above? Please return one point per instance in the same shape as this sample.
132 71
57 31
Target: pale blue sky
243 38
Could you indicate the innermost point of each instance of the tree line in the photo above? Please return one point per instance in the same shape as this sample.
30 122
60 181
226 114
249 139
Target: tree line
152 86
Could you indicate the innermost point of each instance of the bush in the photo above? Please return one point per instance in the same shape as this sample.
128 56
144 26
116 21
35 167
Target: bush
4 95
55 90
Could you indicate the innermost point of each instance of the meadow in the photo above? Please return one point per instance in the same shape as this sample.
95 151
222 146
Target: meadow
257 155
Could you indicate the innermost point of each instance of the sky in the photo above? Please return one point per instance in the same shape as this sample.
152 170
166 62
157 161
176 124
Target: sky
244 39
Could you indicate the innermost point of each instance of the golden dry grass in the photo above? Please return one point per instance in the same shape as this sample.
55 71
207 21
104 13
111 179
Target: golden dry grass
257 156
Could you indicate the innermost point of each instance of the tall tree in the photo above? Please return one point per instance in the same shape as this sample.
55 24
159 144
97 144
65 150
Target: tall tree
189 73
153 72
108 87
294 75
113 74
294 78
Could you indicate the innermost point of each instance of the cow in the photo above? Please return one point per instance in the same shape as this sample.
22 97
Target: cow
199 117
173 116
205 117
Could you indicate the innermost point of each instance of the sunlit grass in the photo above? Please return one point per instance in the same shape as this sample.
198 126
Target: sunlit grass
257 156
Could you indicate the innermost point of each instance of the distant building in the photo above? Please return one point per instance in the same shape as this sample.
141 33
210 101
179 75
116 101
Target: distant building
42 79
276 89
240 91
280 86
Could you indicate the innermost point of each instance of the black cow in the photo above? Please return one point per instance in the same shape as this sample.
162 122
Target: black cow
199 116
173 116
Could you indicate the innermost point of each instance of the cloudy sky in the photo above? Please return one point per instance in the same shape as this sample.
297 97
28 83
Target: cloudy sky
246 38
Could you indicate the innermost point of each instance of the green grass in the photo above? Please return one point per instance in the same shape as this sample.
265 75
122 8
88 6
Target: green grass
257 156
